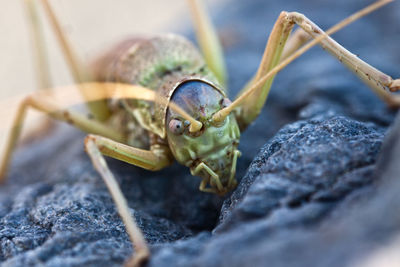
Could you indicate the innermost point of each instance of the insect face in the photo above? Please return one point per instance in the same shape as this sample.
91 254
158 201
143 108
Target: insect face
211 152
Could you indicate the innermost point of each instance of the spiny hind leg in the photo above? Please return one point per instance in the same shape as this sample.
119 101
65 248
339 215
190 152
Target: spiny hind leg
378 81
275 51
208 40
155 159
43 103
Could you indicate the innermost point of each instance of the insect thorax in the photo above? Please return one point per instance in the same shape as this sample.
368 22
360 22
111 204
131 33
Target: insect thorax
159 63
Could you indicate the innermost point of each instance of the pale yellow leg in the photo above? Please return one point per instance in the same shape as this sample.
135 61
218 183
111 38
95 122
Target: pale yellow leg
296 40
215 178
232 182
41 65
208 40
39 46
46 105
248 104
80 72
157 158
251 106
378 81
142 252
203 187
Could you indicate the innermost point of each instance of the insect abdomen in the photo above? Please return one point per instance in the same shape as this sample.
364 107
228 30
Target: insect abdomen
146 61
157 63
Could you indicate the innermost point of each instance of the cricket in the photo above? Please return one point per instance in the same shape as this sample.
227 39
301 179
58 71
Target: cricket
156 100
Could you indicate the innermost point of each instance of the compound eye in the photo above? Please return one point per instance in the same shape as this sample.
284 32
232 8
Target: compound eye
225 102
176 126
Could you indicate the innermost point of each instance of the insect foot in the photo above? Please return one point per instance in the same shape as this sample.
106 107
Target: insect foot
139 259
395 85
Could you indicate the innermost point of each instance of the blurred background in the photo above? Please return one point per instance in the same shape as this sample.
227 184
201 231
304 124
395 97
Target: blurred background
315 84
91 25
94 25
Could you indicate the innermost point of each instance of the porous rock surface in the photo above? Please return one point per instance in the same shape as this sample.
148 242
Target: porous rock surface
312 196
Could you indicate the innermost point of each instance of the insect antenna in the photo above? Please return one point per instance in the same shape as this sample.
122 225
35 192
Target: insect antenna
66 96
223 113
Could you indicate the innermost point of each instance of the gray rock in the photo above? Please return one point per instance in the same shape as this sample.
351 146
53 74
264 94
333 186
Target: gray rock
53 218
303 170
304 173
312 196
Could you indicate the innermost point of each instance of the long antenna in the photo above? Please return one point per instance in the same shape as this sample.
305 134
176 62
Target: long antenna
65 96
223 113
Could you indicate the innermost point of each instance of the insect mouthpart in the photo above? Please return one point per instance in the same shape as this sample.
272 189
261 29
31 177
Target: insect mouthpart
218 172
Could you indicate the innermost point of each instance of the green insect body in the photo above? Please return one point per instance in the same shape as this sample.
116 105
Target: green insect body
174 68
188 116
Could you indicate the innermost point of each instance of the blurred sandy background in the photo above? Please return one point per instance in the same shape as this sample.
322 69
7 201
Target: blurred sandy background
91 25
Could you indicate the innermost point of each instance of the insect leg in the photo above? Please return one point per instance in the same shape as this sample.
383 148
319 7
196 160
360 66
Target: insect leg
252 104
80 72
158 157
208 40
213 176
378 81
40 103
203 187
297 39
294 42
41 64
142 252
